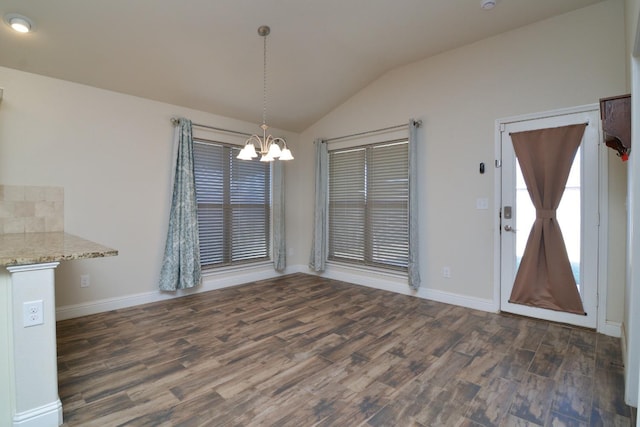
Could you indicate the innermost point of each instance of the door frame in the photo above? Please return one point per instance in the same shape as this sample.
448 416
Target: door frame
601 316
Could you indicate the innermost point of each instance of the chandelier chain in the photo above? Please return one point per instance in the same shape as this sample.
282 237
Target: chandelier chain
269 147
264 83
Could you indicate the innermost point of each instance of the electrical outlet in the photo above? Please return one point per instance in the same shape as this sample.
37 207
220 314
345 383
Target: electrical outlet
32 313
446 272
85 281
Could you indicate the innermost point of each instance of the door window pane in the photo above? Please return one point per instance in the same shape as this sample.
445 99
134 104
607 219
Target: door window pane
568 215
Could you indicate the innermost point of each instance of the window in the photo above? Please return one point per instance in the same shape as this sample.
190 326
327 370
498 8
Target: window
234 205
369 205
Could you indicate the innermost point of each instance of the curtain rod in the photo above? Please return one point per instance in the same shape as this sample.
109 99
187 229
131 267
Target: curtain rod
416 123
175 121
586 124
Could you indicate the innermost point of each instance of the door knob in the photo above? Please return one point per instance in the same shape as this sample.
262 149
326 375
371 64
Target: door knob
508 228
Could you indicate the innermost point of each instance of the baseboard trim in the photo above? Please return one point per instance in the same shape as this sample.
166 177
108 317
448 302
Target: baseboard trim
629 395
625 355
612 329
108 304
387 282
398 284
210 282
474 303
46 415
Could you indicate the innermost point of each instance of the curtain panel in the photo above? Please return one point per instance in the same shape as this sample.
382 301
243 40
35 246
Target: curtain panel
181 264
279 235
413 264
544 278
318 257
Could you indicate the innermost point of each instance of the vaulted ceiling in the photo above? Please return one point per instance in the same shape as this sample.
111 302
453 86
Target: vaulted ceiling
207 55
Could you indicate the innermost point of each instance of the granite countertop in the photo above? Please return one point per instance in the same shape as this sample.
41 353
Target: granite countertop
37 248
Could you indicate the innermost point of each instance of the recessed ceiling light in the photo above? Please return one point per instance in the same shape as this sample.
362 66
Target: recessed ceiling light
488 4
19 23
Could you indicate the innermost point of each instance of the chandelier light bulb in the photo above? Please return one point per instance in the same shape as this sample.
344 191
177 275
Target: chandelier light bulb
286 155
274 151
244 153
251 151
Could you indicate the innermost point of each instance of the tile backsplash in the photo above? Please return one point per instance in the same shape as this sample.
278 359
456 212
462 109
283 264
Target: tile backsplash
31 209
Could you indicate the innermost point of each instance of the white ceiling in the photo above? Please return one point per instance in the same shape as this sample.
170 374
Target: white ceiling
207 55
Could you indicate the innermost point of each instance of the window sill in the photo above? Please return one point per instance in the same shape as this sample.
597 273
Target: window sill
394 274
239 267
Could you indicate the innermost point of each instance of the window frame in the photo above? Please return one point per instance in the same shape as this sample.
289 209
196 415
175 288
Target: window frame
368 258
230 151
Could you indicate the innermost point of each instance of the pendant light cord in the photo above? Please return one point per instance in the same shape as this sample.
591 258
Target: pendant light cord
264 83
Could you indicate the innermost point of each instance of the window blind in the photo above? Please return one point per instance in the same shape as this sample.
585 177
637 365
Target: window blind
234 205
369 205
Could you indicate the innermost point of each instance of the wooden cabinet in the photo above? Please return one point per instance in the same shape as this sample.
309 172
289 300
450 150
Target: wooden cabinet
615 113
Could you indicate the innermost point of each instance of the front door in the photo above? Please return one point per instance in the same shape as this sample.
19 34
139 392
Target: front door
577 216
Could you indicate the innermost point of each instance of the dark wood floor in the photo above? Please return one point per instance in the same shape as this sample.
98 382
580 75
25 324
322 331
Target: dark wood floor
305 351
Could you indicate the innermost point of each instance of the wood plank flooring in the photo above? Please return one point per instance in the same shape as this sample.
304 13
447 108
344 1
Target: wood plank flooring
306 351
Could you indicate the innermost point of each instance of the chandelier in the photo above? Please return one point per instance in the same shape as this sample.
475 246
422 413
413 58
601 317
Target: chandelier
270 148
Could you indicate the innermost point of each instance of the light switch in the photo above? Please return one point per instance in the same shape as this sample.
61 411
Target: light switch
482 203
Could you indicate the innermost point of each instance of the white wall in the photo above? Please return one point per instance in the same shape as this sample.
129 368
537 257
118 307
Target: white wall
112 153
631 323
569 60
